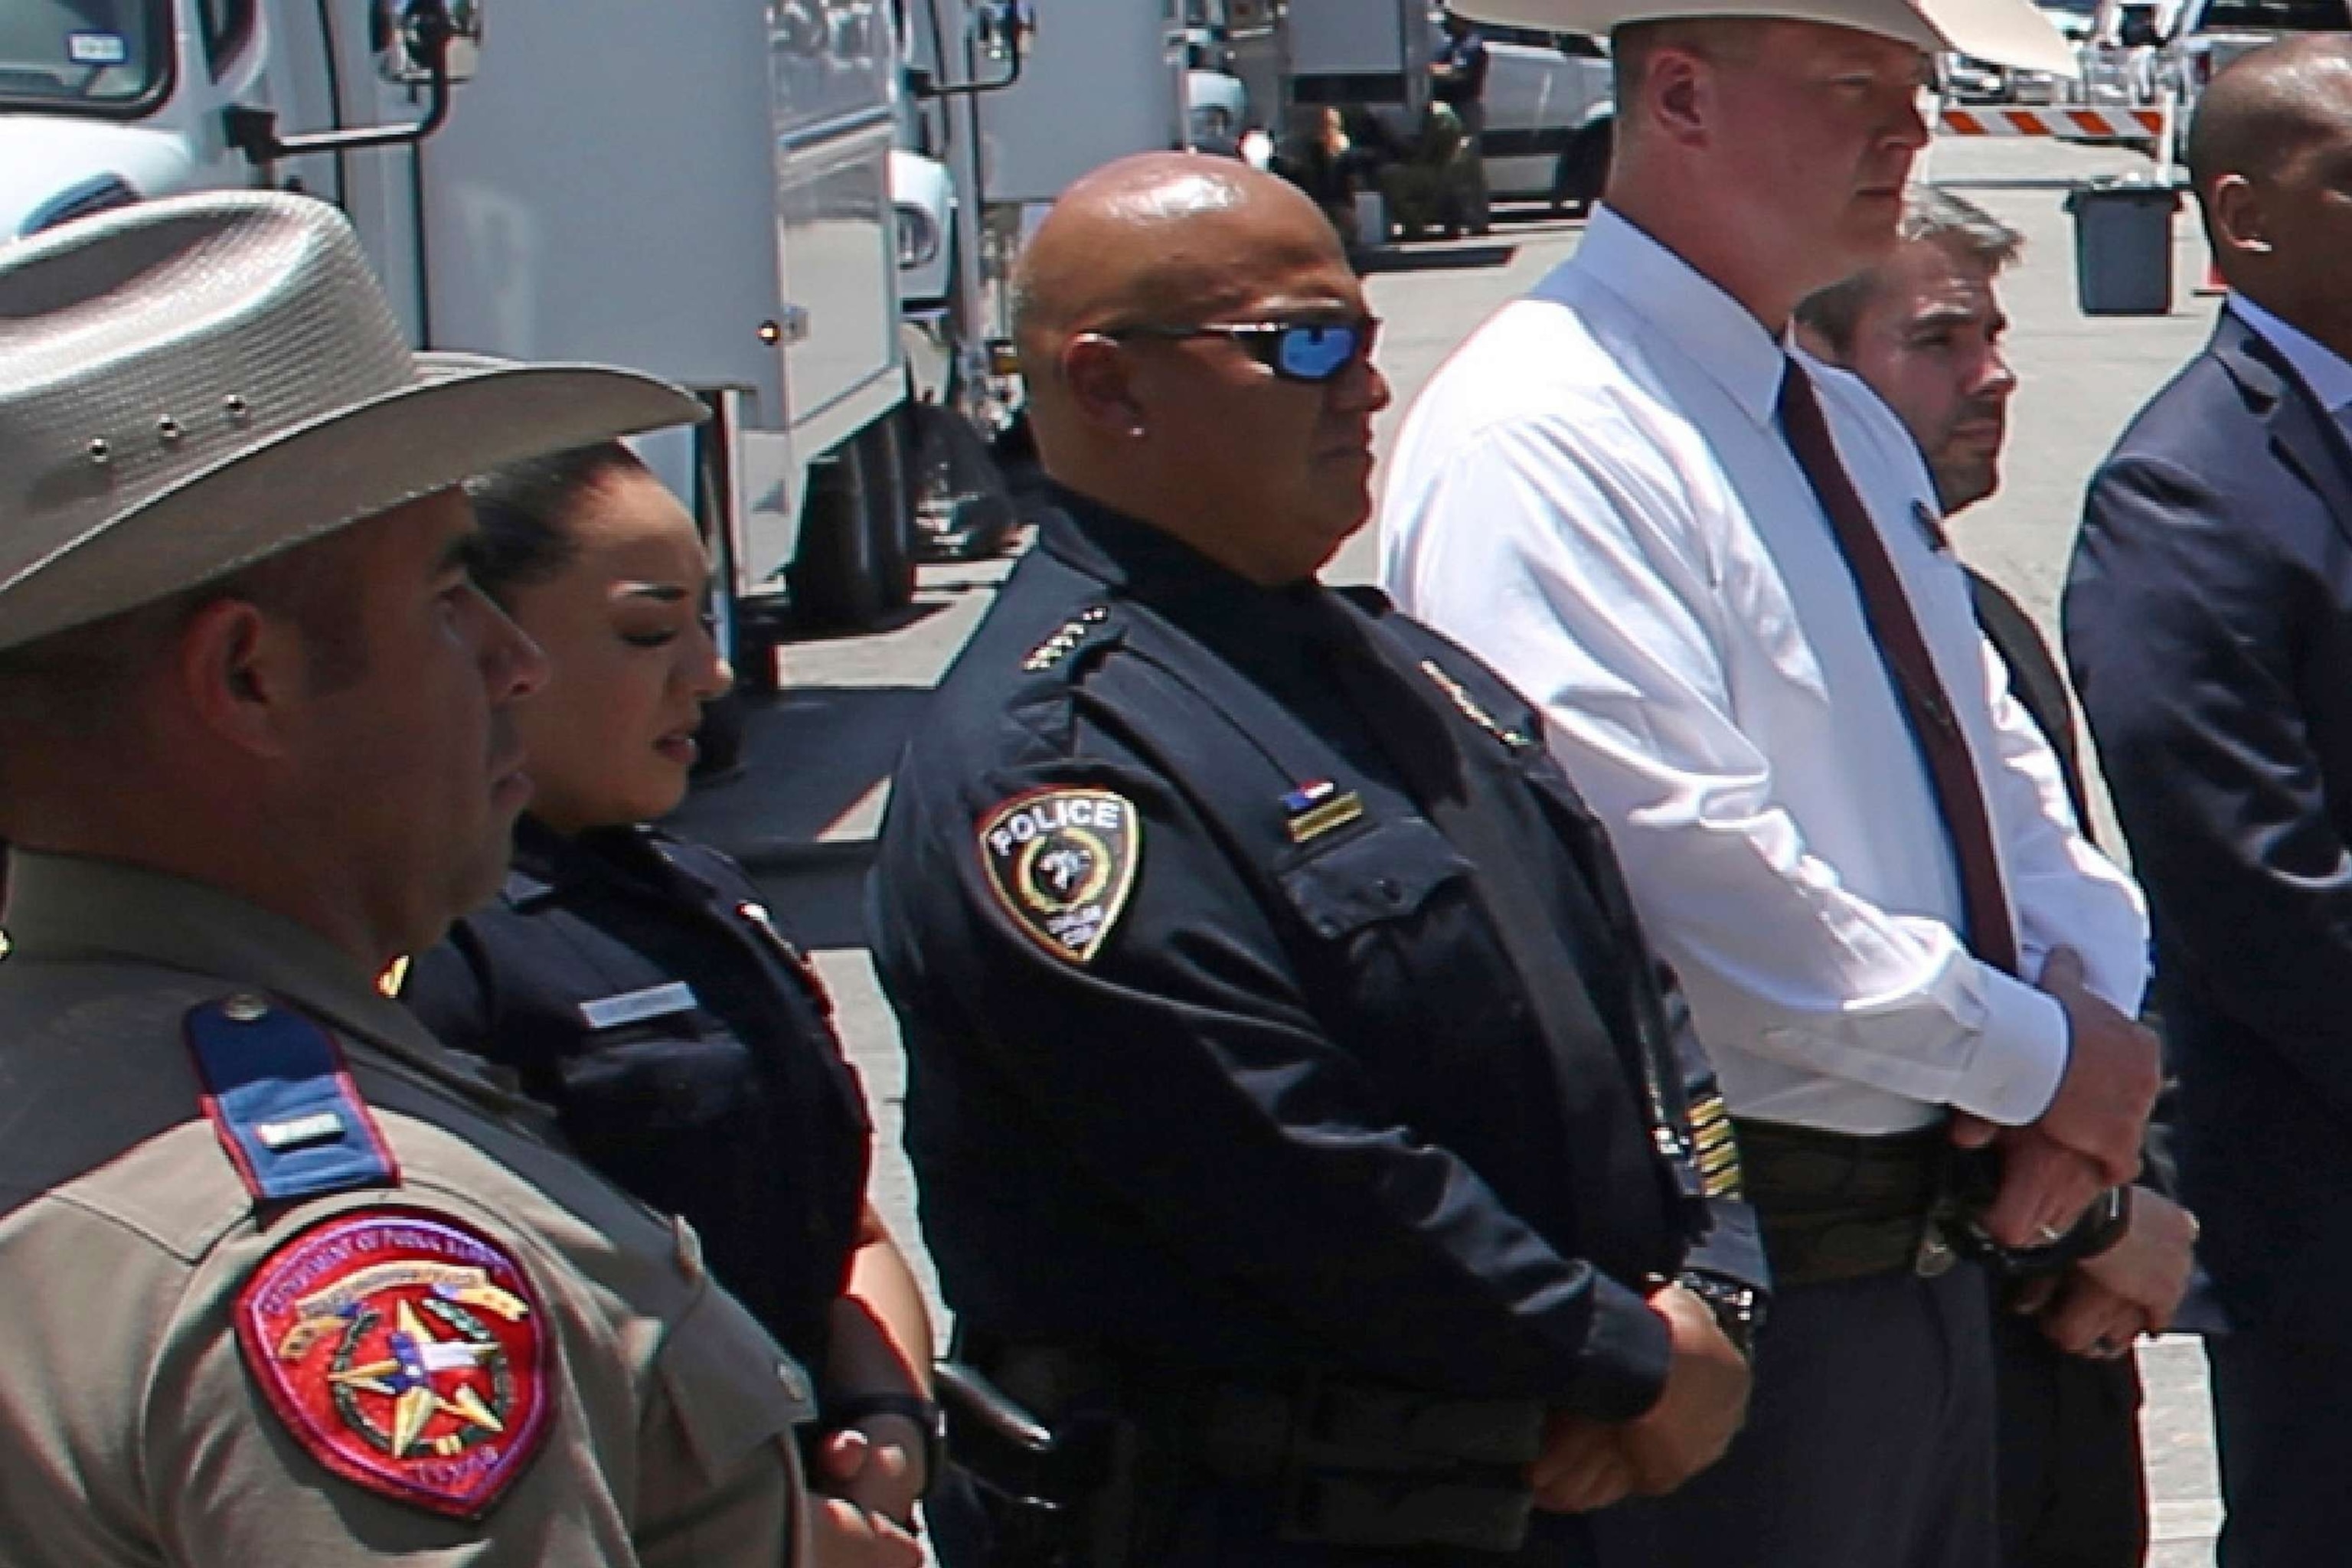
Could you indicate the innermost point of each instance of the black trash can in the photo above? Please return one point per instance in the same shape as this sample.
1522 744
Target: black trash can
2122 247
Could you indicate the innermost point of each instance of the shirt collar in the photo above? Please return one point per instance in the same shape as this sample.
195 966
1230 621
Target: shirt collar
2323 370
1715 332
546 863
1148 563
64 907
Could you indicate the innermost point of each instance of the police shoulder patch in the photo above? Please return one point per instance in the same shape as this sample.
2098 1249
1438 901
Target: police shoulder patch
1061 861
406 1352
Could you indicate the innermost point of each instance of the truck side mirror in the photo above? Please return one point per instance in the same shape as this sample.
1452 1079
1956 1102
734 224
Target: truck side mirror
428 43
408 35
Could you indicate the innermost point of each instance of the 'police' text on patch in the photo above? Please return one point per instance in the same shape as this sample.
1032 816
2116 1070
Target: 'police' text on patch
1061 862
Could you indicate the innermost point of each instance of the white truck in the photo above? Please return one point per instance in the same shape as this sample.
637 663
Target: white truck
1002 111
2206 35
696 187
1549 106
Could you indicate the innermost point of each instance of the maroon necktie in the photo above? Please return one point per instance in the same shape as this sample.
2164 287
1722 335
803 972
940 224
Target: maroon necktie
1903 647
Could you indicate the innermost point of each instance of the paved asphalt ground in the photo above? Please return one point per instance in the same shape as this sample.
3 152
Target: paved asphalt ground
808 806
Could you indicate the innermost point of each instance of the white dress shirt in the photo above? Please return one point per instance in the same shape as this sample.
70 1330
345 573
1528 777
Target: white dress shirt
1594 495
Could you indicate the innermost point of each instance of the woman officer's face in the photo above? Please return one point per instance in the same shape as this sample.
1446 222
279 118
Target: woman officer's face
611 735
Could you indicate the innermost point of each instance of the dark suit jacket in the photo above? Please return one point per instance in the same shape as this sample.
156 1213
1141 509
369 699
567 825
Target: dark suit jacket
2208 620
2033 679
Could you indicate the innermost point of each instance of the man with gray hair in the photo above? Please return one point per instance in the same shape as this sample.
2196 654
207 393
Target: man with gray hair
288 1283
1911 323
1922 328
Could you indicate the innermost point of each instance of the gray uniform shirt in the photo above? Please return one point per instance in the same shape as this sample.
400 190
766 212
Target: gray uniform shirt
133 1430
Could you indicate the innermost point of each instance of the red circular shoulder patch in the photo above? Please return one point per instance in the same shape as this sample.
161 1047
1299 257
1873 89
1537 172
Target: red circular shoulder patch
407 1353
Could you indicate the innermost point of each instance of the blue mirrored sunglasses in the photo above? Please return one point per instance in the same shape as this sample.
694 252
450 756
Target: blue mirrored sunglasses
1310 352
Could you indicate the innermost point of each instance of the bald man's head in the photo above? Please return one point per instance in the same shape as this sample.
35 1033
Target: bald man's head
2270 106
1259 460
2270 156
1150 237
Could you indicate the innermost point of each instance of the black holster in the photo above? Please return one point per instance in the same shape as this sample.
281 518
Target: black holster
1035 1487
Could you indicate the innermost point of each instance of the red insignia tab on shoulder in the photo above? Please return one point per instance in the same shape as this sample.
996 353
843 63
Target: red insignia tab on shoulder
1062 862
407 1353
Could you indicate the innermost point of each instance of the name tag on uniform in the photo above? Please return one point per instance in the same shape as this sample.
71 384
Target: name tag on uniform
635 1006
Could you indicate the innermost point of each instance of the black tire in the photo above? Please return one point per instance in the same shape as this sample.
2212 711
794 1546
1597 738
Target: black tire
855 565
962 506
1583 171
882 448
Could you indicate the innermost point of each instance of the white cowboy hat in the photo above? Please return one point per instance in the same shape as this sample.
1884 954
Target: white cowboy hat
2005 32
191 386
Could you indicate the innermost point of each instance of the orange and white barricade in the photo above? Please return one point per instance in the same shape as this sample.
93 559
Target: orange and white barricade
2146 124
2064 121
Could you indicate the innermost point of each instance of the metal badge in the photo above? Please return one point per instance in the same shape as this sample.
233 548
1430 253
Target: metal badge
1071 633
1472 710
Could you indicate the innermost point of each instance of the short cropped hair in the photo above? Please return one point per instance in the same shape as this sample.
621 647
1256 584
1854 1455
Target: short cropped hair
1928 214
1720 38
74 681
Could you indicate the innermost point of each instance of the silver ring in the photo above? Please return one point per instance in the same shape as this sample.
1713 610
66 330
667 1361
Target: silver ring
2050 1234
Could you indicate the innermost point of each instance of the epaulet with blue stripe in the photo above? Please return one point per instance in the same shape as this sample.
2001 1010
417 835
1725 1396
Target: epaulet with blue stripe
283 1103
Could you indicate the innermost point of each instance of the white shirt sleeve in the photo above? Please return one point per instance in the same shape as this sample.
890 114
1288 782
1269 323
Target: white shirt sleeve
1584 576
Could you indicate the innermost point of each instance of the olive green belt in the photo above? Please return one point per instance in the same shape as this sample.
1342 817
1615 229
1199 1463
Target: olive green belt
1836 1205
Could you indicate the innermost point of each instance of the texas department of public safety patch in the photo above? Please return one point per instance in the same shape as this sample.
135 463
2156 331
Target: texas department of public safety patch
406 1352
1062 862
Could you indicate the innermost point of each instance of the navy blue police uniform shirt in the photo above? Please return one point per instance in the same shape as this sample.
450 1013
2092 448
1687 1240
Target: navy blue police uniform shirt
639 987
1216 1057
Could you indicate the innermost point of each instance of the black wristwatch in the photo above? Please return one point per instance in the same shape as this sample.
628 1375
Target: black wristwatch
2104 1225
851 1408
1738 1309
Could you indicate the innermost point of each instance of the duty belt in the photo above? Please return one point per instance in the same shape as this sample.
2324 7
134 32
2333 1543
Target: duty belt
1365 1464
1834 1205
1356 1463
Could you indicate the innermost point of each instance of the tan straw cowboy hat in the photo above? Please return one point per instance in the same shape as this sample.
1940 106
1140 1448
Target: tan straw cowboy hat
188 386
2005 32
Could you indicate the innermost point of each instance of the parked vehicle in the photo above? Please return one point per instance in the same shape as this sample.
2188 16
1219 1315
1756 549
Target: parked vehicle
1216 111
1964 79
1548 95
2210 34
2119 59
698 188
957 401
1549 112
996 122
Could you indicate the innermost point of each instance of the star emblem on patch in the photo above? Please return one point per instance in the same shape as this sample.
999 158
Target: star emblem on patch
1061 862
406 1352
